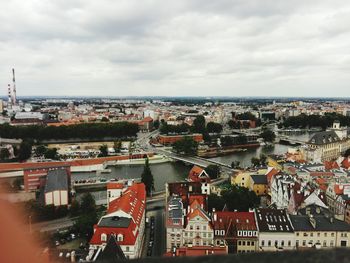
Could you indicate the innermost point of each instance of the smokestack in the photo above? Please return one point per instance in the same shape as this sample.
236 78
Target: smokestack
14 87
9 92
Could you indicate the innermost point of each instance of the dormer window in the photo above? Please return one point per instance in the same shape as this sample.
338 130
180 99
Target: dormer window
120 237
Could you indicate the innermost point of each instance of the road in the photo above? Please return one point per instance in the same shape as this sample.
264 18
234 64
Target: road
156 209
53 225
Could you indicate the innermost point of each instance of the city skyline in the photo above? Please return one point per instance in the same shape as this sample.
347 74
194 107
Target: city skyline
187 48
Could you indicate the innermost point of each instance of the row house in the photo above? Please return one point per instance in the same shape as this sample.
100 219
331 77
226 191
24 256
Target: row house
237 229
338 198
281 190
275 230
317 228
125 219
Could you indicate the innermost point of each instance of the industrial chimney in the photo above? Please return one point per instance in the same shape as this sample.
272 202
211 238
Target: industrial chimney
14 98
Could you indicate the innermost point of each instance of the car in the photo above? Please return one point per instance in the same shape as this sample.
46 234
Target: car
57 243
150 244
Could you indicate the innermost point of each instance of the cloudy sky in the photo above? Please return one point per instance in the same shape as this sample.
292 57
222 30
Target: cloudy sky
176 48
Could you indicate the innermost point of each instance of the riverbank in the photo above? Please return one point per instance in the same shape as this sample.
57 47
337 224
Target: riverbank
226 150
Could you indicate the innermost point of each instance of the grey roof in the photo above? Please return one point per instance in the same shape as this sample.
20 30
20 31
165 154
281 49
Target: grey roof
175 208
259 178
324 137
273 220
318 223
56 180
115 221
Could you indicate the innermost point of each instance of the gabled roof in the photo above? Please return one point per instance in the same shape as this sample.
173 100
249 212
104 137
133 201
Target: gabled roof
273 220
232 221
198 174
56 180
259 179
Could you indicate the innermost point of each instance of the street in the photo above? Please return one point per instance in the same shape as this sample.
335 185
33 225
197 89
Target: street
155 209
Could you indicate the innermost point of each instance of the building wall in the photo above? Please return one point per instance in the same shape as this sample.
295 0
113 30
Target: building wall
267 241
326 239
198 232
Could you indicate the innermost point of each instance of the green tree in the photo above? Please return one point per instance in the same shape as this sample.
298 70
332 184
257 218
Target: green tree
255 161
235 164
51 153
213 127
74 209
25 150
156 124
147 178
213 171
347 153
199 124
263 159
103 150
4 154
216 202
117 146
187 146
268 135
88 216
40 150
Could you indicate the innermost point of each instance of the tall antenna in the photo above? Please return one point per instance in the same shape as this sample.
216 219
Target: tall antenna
14 87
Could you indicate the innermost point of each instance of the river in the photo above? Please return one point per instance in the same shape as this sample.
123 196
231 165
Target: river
177 171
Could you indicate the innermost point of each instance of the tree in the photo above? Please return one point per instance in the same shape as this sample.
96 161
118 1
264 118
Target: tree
234 198
40 150
235 164
268 135
4 154
255 161
216 202
74 209
117 146
88 216
347 153
103 150
147 178
199 124
213 127
51 153
25 150
156 124
187 146
263 159
105 119
213 171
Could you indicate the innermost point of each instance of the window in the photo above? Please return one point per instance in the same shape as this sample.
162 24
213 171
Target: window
282 243
304 243
269 243
204 227
276 243
239 242
318 234
343 243
332 243
324 243
120 237
289 243
262 243
103 237
127 249
296 243
243 243
248 243
332 234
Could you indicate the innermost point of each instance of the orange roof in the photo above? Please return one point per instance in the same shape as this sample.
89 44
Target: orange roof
115 185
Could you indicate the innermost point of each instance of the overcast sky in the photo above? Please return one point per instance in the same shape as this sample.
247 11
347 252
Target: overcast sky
176 48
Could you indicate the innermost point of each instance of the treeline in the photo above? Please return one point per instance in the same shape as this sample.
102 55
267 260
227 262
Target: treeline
81 131
308 121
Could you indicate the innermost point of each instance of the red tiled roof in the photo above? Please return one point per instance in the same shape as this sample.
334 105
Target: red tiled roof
346 163
331 165
198 174
115 185
234 220
319 174
271 174
132 202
